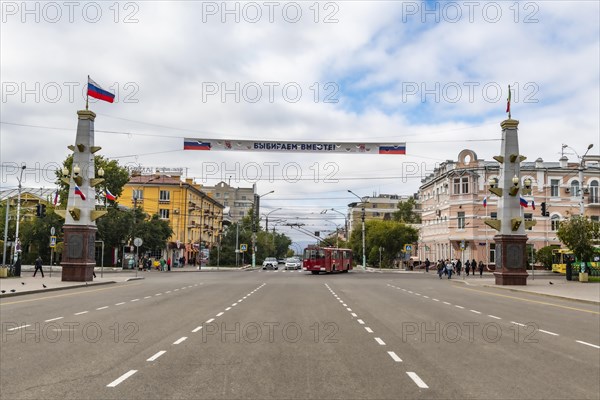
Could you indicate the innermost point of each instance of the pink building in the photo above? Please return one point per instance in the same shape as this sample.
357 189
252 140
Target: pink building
452 204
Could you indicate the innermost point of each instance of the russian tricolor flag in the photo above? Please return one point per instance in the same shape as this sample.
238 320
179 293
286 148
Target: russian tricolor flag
523 202
79 192
110 196
95 91
485 201
193 144
392 149
533 204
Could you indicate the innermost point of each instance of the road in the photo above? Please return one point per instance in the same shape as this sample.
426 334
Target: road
291 335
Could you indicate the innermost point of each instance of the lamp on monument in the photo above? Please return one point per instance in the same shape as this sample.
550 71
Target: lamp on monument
515 180
100 172
76 170
492 183
65 172
527 189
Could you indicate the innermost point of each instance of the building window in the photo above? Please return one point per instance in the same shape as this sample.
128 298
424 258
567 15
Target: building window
554 222
461 220
595 218
226 203
138 194
225 195
594 192
218 195
575 188
494 215
241 213
492 252
528 217
243 197
164 195
163 213
461 185
554 187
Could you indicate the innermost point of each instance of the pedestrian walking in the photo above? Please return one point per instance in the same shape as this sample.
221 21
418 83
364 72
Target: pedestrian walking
38 265
458 267
427 264
169 264
162 264
481 269
467 267
449 269
440 268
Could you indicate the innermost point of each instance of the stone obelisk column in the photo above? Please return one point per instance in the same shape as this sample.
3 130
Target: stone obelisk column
79 257
511 258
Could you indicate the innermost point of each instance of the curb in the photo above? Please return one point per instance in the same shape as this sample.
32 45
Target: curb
53 289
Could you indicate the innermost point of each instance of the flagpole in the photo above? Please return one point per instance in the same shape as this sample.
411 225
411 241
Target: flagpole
487 251
87 96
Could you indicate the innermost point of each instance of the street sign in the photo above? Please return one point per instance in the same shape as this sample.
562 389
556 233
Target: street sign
243 247
52 231
53 241
138 241
407 247
462 245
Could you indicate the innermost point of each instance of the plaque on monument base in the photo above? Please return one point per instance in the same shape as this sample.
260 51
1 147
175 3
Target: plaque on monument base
511 260
79 254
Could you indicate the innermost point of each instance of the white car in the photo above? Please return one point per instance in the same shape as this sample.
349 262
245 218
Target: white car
270 263
293 263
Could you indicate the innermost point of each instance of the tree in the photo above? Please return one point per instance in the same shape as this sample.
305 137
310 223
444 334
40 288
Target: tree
578 233
406 212
391 236
544 256
35 236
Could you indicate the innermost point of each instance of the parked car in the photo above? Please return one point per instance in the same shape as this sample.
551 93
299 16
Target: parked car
270 263
293 263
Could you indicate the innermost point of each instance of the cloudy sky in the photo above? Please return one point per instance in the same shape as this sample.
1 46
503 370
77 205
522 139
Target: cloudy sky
432 74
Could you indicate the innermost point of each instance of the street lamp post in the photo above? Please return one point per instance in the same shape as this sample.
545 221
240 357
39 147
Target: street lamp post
581 168
255 217
364 256
17 242
345 220
267 218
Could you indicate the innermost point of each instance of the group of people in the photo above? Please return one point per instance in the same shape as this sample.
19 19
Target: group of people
448 267
146 263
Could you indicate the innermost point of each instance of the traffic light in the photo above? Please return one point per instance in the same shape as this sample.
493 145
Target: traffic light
42 210
545 213
38 210
317 233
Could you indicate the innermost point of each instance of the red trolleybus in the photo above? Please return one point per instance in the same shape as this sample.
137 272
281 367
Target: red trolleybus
326 259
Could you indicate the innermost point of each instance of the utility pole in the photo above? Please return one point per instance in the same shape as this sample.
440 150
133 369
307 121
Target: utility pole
5 231
17 241
581 192
364 256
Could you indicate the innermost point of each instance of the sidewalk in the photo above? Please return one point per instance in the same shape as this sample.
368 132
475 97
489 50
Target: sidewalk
27 284
588 292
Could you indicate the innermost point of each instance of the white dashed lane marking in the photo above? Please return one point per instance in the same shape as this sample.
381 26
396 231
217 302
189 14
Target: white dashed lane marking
394 356
516 323
120 304
197 329
548 332
579 341
18 327
122 378
475 311
381 342
81 312
493 316
221 313
210 320
180 340
368 329
154 357
417 380
360 321
54 319
101 308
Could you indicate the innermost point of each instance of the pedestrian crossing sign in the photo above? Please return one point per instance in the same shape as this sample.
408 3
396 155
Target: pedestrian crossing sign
243 247
52 241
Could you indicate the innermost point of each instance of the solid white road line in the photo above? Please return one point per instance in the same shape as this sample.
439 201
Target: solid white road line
493 316
154 357
417 380
381 342
516 323
18 327
82 312
578 341
475 311
368 329
122 378
197 329
209 321
55 319
221 313
181 339
548 332
119 304
394 356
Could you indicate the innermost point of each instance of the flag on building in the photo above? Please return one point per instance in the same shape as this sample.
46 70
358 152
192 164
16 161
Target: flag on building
94 90
56 196
110 196
79 192
533 204
485 201
523 202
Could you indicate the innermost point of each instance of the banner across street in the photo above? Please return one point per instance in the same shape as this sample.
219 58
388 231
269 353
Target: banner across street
294 146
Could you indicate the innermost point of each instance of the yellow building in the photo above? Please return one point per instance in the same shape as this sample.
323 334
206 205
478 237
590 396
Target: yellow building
195 217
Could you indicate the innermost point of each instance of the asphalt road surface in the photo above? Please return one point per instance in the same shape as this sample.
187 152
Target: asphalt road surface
292 335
